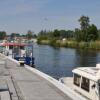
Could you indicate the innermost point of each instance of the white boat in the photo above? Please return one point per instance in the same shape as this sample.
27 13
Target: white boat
85 81
23 52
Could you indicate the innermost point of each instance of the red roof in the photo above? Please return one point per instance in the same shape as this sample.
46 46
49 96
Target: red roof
13 44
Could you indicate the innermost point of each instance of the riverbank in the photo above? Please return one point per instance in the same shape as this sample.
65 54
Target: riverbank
93 45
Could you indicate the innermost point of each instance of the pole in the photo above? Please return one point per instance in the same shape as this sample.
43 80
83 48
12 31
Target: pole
32 57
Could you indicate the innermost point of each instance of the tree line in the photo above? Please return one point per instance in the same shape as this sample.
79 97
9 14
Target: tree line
58 34
28 35
87 32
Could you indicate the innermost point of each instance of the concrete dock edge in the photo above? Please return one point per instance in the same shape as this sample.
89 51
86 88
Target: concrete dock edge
66 90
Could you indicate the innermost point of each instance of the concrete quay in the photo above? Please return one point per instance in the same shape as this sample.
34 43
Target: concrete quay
26 83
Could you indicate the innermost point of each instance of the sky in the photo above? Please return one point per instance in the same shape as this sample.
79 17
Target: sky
19 16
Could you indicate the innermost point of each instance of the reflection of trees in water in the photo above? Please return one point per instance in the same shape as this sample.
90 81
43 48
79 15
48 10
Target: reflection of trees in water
55 63
59 62
85 58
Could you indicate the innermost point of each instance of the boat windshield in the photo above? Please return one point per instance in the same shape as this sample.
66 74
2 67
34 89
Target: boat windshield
29 50
2 48
16 51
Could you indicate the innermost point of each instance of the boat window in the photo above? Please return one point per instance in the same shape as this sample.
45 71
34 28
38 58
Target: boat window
99 87
77 79
85 84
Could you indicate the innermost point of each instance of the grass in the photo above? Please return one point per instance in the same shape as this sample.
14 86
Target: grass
95 45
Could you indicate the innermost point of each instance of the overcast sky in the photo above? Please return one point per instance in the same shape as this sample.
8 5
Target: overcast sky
23 15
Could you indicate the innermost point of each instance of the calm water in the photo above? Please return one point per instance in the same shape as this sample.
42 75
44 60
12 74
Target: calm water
59 62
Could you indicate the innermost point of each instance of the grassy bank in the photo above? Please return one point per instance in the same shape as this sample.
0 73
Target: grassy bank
95 45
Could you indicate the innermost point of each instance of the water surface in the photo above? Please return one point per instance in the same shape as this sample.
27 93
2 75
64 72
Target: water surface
59 62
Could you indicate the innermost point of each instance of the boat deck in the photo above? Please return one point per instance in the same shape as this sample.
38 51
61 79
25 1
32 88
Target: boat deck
68 81
18 83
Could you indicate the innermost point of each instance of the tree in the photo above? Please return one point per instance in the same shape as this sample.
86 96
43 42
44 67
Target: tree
29 34
13 35
99 34
56 33
78 35
92 33
2 35
66 34
88 32
34 36
84 22
42 33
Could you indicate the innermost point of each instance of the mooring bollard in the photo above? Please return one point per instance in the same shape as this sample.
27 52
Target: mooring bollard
21 61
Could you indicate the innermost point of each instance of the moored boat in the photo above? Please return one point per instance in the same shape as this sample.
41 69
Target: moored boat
19 51
85 81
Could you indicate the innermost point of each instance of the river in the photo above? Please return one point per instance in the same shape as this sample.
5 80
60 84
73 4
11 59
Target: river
59 62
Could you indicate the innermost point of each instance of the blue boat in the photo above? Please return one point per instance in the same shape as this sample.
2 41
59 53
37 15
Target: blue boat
25 54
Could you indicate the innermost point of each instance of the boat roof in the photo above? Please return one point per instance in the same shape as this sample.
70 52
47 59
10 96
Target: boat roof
12 44
92 73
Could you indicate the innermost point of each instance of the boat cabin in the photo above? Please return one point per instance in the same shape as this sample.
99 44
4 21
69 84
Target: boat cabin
24 55
23 52
86 81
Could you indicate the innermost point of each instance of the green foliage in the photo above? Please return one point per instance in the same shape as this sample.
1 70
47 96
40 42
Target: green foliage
29 34
98 34
13 35
66 34
34 36
53 42
83 45
60 34
56 33
84 22
23 35
92 33
87 32
72 44
2 35
78 35
83 38
42 36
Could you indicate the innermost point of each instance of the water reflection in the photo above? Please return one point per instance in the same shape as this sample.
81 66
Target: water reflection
59 62
85 58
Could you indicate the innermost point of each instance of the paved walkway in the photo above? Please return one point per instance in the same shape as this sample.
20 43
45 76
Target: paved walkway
18 83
